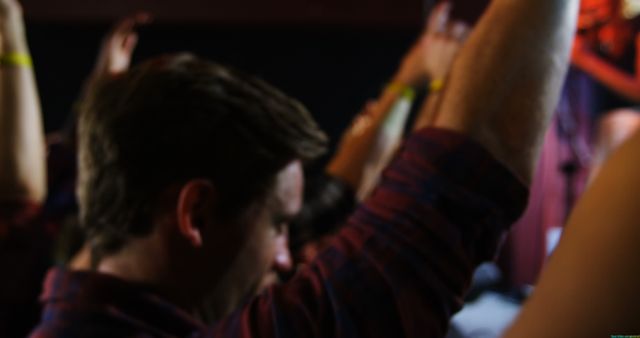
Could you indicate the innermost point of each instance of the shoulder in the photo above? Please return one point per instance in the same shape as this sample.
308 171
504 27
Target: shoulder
85 324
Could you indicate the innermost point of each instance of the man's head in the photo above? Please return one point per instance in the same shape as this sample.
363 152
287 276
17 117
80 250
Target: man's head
195 162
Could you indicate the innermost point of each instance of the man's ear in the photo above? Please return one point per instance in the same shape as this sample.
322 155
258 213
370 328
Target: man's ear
195 209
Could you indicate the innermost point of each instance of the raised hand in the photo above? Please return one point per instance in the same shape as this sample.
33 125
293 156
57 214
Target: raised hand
118 46
442 39
433 53
22 151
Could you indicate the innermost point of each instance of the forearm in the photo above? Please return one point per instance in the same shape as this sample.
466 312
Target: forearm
354 151
22 144
387 141
622 83
427 114
506 81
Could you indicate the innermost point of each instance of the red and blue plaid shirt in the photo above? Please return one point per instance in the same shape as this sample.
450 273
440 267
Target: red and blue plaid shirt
399 268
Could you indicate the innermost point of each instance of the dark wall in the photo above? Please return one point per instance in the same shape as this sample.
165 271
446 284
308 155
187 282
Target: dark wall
331 69
381 12
333 55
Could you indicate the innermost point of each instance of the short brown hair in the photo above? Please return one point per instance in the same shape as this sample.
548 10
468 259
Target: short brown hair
176 118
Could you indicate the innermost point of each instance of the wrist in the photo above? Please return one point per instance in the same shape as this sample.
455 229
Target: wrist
408 77
402 90
19 47
436 85
404 80
18 60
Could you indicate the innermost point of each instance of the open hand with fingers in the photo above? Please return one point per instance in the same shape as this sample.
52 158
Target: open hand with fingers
443 40
118 46
433 53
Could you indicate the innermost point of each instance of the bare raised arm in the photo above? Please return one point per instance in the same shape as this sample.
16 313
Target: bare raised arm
118 45
590 285
369 144
22 145
114 57
443 40
116 50
505 83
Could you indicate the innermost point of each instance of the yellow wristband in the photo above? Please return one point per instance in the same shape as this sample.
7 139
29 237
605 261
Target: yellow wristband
405 91
16 59
436 85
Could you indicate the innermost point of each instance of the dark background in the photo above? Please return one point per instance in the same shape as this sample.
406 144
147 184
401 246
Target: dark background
332 70
332 55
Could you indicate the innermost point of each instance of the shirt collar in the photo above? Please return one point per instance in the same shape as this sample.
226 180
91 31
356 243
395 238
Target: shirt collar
128 301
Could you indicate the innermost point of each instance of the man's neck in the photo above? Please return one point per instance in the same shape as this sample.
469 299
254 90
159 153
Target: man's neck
144 261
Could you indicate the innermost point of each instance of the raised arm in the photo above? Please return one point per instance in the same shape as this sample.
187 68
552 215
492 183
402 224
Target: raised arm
401 266
506 81
443 40
114 57
118 45
117 48
22 144
590 285
375 134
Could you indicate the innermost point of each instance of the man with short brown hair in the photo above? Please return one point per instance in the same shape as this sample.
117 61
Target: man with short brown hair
189 173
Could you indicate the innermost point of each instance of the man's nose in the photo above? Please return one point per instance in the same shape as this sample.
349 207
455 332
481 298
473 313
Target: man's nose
282 260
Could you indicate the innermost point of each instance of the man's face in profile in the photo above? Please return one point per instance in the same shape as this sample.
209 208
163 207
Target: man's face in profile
265 250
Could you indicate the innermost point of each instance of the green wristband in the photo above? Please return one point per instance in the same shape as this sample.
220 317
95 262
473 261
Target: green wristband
16 59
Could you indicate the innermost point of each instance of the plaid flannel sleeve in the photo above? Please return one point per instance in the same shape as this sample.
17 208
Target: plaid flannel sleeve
401 266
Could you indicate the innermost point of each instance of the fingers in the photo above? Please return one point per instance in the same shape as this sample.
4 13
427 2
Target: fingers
123 34
439 18
143 18
123 26
442 48
459 30
118 45
130 42
127 25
